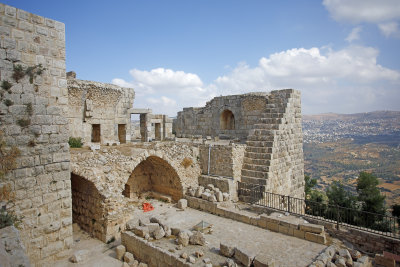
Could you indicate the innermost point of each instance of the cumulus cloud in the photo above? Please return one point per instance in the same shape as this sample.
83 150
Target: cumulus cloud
390 29
384 13
354 34
166 91
346 80
357 11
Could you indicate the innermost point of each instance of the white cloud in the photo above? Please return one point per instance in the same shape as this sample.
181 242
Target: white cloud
384 13
389 29
354 34
347 80
356 11
166 91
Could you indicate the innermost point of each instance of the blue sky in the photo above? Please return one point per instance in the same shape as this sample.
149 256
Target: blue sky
342 54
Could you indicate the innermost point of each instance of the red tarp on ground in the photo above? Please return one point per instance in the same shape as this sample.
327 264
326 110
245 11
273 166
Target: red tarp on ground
147 207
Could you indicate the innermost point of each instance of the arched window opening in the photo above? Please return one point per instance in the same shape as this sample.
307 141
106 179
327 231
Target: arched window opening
227 120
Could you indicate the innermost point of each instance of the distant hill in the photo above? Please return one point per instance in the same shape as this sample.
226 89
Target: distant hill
382 114
340 146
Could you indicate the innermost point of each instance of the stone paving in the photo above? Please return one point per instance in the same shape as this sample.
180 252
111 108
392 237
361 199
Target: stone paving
285 250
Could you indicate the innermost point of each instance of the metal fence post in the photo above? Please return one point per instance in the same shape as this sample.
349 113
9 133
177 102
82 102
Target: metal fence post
337 217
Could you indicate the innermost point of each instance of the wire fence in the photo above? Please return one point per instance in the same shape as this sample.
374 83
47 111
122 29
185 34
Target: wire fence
381 224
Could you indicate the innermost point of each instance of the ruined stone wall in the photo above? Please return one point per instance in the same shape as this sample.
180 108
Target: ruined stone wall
110 169
34 121
87 206
208 121
225 160
98 103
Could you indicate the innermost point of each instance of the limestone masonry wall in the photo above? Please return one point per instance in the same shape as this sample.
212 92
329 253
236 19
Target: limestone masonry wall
106 105
107 173
226 116
225 160
270 123
34 121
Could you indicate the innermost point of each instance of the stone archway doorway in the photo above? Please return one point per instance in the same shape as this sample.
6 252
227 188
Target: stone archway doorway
154 175
227 120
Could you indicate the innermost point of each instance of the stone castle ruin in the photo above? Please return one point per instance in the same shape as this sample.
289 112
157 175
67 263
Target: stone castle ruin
253 138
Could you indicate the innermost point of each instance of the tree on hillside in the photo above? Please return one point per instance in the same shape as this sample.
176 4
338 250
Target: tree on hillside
396 212
369 194
372 202
309 184
339 196
315 200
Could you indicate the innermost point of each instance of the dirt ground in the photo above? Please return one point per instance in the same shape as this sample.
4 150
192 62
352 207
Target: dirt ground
285 250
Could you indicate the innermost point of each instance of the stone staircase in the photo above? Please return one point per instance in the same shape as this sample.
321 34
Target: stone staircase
273 151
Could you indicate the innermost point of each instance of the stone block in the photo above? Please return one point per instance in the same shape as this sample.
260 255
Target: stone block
313 228
262 260
298 233
284 229
80 256
141 231
182 204
317 238
243 256
382 260
120 251
128 258
226 250
197 239
273 226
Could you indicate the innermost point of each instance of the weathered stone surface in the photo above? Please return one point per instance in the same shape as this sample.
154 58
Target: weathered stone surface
199 191
225 196
226 250
183 238
131 224
192 259
167 230
197 239
330 264
262 260
144 221
340 262
182 204
142 264
387 262
128 257
313 228
230 263
184 255
159 233
219 196
12 251
243 256
355 254
175 231
120 251
80 256
152 227
141 231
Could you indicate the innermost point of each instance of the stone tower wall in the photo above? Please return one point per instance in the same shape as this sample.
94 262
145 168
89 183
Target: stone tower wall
206 121
35 123
98 103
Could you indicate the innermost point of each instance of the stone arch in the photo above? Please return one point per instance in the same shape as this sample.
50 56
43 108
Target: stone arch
227 120
87 206
154 174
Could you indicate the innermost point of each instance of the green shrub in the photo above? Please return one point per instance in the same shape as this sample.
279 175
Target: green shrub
8 102
75 142
18 72
29 109
8 218
6 85
24 122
